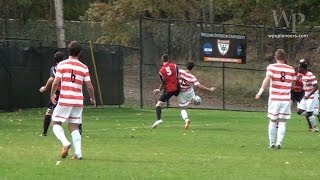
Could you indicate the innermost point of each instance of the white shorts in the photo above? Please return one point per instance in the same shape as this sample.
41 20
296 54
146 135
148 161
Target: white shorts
279 110
67 114
185 98
309 105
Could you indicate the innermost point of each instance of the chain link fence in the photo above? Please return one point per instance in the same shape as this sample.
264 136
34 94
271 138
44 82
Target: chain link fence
236 84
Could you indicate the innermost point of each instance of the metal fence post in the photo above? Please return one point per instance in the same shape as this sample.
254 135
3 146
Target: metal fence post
141 59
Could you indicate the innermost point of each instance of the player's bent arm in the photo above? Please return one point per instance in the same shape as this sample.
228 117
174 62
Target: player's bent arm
48 84
159 89
315 88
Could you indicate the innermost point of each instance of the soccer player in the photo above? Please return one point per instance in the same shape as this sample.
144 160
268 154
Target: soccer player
297 93
280 76
71 73
310 101
58 57
169 84
316 110
186 82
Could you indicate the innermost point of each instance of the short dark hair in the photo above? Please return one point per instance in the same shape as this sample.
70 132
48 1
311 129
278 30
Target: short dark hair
306 60
303 65
281 54
74 48
165 58
58 56
190 65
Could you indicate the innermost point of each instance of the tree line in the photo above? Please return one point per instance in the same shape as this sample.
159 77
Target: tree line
120 17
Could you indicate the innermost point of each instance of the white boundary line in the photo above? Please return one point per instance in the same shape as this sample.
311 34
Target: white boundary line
149 127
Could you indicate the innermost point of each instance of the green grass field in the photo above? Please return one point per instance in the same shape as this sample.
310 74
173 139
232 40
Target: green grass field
117 143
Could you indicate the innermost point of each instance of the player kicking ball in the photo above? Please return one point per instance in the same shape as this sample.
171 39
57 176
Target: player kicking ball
187 95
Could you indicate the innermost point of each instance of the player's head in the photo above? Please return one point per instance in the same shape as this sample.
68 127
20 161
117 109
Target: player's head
280 55
74 48
58 56
165 58
303 67
190 65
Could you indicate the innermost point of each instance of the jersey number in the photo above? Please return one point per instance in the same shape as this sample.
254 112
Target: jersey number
73 77
283 76
184 82
168 70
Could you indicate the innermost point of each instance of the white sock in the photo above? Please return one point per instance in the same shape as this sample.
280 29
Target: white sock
184 114
313 121
59 132
281 132
76 138
272 131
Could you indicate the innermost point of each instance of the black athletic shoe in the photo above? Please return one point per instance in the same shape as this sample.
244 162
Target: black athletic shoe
278 146
272 147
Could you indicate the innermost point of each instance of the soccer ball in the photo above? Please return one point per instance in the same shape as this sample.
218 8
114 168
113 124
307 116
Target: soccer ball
197 100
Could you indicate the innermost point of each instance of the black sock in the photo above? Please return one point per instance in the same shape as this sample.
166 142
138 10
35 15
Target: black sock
309 123
80 128
46 123
158 111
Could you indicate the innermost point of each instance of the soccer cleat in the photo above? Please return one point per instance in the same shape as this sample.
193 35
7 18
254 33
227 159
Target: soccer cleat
155 124
75 157
272 146
278 146
65 150
43 134
315 129
186 126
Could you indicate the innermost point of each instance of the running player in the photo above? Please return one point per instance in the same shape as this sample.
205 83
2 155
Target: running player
71 73
310 100
187 94
58 57
297 93
169 84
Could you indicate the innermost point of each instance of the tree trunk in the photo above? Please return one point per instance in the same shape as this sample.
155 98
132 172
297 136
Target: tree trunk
61 42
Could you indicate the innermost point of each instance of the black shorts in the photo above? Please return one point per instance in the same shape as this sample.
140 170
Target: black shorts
50 104
297 96
165 96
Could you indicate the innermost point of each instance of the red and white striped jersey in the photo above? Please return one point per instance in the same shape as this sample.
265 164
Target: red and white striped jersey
282 76
72 73
309 80
298 85
187 80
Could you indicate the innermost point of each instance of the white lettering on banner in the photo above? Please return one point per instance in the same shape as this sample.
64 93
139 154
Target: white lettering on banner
214 59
